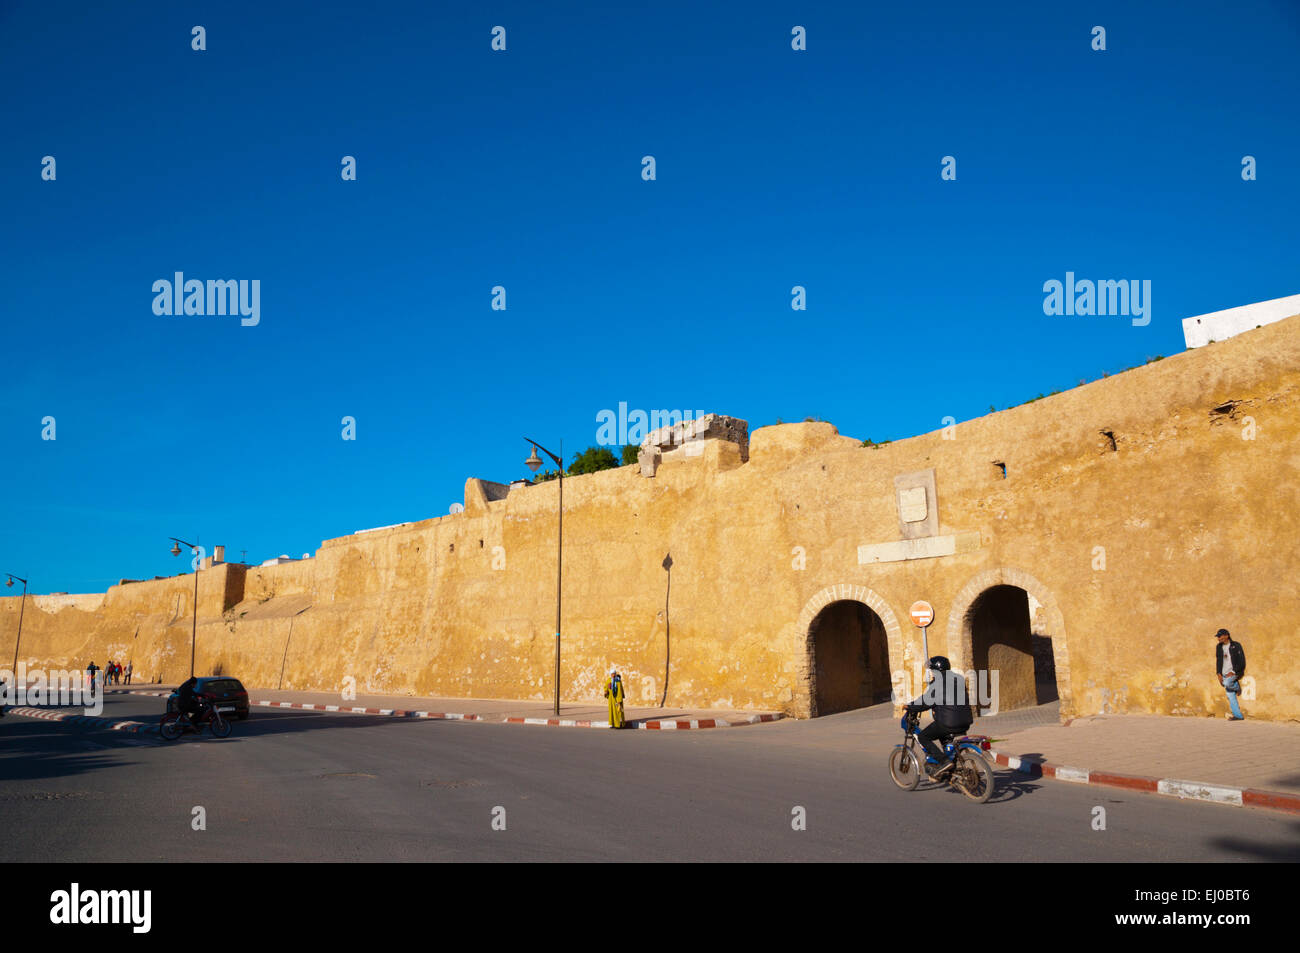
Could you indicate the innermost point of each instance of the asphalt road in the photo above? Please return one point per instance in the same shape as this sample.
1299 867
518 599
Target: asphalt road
294 785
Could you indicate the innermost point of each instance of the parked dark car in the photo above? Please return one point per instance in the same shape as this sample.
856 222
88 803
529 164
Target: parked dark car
228 693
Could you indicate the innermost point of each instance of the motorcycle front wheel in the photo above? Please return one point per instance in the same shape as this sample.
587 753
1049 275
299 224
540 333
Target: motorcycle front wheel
904 768
220 727
170 729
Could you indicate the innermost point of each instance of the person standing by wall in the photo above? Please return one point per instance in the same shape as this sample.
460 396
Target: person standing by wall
129 666
614 692
1230 666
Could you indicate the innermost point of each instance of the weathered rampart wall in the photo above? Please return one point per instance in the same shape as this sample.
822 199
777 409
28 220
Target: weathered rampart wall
1136 553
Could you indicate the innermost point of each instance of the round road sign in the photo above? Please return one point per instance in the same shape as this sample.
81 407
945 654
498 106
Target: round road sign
922 614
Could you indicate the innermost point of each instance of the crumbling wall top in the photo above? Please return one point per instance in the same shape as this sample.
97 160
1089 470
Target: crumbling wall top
708 427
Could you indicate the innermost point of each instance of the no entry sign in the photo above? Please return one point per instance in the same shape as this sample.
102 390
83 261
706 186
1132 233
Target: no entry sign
922 614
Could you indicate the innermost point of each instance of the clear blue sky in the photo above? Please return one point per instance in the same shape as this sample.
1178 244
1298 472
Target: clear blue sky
775 168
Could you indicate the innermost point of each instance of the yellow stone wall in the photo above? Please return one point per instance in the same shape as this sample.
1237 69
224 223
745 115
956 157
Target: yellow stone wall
1199 529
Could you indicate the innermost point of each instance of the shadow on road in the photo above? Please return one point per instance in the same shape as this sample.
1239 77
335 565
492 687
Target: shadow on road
263 723
35 748
1009 786
1262 850
41 749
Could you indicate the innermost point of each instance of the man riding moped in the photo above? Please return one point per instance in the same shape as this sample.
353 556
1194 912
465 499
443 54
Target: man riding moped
189 702
946 695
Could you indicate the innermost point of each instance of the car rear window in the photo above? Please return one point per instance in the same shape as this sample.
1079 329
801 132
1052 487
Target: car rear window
223 685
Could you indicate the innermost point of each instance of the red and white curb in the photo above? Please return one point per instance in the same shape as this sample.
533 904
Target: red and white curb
133 691
653 725
390 712
1171 787
46 714
682 725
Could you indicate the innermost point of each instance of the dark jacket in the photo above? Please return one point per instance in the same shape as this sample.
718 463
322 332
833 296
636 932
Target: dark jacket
185 695
1238 658
949 697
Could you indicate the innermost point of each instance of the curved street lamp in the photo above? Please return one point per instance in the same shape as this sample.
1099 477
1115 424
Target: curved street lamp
194 625
533 462
21 607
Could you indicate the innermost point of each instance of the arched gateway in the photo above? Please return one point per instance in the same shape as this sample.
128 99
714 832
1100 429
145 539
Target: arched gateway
992 625
853 637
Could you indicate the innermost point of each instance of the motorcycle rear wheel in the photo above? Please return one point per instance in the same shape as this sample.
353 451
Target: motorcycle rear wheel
972 776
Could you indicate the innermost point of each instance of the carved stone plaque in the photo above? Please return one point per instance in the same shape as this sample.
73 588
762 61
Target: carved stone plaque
918 506
911 504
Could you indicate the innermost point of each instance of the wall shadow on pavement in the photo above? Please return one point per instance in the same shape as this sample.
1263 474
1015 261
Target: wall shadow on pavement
35 748
32 751
1286 781
1278 850
271 722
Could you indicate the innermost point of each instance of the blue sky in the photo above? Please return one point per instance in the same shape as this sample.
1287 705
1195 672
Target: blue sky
775 168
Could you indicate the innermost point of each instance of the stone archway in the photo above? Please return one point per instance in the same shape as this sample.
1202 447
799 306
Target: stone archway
813 609
1049 623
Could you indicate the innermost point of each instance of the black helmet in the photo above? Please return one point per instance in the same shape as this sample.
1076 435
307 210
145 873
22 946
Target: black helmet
940 663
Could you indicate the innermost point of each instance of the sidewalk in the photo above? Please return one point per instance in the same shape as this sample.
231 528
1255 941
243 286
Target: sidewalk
1242 762
572 714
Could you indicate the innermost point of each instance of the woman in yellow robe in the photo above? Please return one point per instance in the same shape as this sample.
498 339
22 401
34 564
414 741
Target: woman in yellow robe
614 692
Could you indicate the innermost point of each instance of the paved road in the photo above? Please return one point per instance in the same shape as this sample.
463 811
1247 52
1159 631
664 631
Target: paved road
293 785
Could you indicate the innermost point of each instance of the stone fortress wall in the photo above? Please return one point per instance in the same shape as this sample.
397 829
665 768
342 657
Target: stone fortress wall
1134 519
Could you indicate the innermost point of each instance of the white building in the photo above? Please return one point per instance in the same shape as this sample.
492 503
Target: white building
1221 325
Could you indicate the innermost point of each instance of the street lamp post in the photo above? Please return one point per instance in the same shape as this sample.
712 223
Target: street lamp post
194 625
22 606
533 462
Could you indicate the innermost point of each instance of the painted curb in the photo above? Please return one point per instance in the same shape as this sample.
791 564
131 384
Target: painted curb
654 724
1170 787
387 712
133 691
657 724
45 714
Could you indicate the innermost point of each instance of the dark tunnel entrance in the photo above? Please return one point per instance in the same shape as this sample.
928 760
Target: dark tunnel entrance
1003 638
850 658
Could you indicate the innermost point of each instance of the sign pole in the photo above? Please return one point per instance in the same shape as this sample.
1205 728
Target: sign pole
922 615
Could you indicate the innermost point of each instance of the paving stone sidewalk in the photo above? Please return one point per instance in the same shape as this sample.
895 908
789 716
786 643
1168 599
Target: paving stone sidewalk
1244 754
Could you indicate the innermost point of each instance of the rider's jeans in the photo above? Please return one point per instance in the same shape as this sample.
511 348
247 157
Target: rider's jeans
1233 688
928 735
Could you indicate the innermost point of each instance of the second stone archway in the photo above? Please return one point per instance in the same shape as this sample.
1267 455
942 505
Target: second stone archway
1048 623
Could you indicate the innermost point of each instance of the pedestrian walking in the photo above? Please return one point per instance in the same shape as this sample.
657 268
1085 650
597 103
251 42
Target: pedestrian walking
90 675
129 666
614 692
1230 666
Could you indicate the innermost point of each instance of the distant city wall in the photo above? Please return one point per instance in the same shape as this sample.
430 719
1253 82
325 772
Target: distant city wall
1134 520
